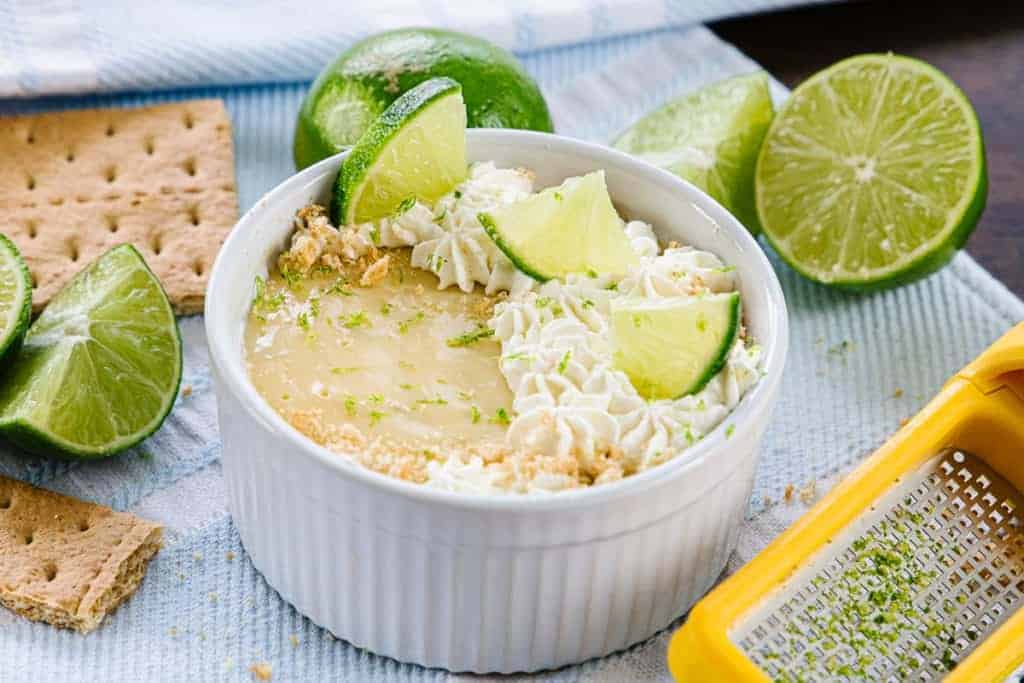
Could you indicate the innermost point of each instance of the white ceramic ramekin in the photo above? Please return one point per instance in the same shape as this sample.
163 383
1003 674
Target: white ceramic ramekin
489 584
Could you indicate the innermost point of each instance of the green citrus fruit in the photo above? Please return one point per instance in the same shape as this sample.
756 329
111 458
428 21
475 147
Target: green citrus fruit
100 367
873 174
359 85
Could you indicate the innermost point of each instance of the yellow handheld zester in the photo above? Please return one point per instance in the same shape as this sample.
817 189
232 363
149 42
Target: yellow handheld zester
911 569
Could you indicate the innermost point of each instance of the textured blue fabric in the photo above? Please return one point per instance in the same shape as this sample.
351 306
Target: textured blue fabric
64 46
204 613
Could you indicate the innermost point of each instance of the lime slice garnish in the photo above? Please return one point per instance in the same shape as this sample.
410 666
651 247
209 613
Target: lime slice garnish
673 347
416 149
572 228
711 138
873 174
354 89
15 299
99 369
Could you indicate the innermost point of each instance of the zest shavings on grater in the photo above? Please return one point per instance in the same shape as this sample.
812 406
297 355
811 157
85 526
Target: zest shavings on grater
912 568
908 590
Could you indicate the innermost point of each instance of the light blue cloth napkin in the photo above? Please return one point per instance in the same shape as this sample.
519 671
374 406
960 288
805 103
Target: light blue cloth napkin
62 46
204 613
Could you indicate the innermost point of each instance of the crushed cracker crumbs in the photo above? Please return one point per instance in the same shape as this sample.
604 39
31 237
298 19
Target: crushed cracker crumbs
229 555
261 671
294 640
186 391
788 495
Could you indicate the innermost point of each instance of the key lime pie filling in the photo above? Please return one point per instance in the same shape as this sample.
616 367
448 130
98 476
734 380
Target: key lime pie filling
415 347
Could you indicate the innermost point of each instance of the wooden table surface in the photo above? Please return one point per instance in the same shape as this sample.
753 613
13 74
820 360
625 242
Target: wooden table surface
980 44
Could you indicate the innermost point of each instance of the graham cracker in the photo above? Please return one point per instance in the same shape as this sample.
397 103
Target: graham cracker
65 561
76 183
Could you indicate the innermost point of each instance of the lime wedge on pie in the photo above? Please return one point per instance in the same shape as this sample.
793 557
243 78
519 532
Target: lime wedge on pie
572 228
672 347
873 174
711 138
15 299
415 150
99 369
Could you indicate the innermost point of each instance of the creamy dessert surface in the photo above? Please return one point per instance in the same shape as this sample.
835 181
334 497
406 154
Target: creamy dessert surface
414 347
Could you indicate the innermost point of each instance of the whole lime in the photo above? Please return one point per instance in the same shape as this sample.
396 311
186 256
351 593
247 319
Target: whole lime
353 90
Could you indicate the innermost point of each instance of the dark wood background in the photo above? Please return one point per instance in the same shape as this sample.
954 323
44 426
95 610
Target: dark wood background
979 43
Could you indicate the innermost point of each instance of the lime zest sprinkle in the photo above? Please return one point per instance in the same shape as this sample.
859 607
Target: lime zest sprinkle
518 355
345 370
354 320
439 401
729 430
588 303
564 363
385 308
404 325
437 263
376 416
376 399
440 217
303 320
351 404
501 417
339 287
406 386
292 277
405 205
457 194
375 233
471 337
474 414
261 303
591 273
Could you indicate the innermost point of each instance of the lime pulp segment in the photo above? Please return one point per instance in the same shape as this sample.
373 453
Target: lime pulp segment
673 347
572 228
15 299
416 149
100 367
873 174
711 138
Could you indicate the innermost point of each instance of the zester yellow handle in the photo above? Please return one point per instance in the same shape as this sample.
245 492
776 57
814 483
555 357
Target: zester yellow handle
1002 365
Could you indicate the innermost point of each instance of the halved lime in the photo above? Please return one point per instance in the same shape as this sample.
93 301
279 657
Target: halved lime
15 299
416 149
572 228
711 138
673 347
873 174
100 368
354 89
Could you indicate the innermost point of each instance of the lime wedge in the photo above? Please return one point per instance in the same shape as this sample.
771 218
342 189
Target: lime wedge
572 228
416 149
15 299
711 138
673 347
873 174
100 368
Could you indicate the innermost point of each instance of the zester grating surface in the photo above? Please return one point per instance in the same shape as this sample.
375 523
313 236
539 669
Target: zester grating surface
908 590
